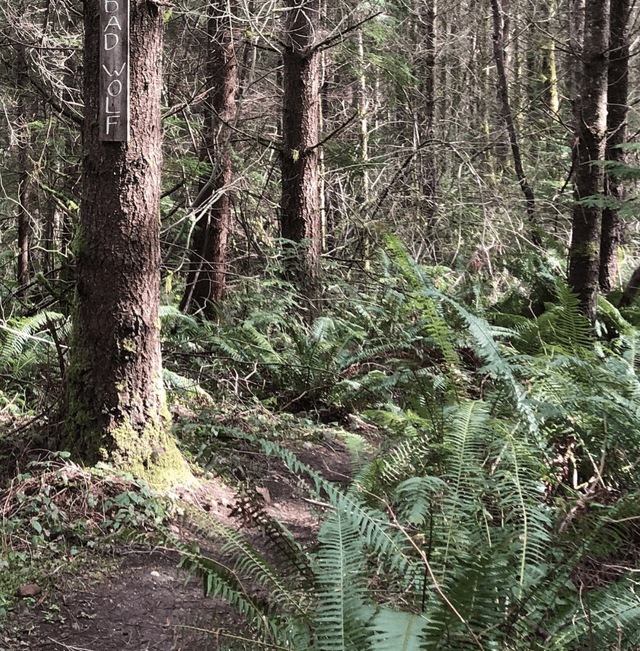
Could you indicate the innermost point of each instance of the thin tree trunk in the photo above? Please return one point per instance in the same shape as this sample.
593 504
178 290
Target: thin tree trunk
617 107
584 254
321 162
115 401
22 271
362 108
299 206
574 58
549 68
429 180
507 115
206 279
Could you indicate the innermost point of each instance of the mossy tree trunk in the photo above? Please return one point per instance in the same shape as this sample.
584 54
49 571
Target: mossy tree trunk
584 254
115 402
206 278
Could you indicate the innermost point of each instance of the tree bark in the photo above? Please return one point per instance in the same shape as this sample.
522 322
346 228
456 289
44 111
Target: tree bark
428 169
362 106
206 278
584 254
299 205
549 64
631 290
617 107
22 271
574 62
115 401
507 115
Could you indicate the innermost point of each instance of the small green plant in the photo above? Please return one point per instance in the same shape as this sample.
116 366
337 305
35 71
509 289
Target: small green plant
59 510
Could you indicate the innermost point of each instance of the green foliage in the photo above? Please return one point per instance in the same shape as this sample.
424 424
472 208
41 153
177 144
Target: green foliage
506 472
563 329
340 617
506 467
55 513
277 618
27 341
470 555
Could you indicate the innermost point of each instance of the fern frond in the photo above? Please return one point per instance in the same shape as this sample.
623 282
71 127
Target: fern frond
171 316
339 619
563 328
24 334
489 350
322 328
478 594
372 524
220 580
607 618
186 387
248 563
395 630
483 333
466 438
417 498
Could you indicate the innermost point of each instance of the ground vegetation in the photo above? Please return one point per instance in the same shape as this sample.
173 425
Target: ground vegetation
346 334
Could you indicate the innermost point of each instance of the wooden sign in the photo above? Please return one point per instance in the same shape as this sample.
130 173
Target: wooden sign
114 70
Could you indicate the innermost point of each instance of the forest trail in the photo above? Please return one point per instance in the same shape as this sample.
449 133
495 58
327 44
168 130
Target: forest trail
136 598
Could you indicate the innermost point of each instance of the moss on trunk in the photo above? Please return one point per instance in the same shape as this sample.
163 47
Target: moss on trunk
115 408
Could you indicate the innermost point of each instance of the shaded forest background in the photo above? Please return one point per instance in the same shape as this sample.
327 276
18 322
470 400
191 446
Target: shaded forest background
415 138
407 227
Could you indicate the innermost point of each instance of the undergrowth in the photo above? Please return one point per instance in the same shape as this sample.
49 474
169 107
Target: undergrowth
500 512
57 514
500 508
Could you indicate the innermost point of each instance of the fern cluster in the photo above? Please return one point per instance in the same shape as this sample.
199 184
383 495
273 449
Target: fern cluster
509 468
469 558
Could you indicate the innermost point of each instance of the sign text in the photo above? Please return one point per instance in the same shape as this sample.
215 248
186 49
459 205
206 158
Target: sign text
114 70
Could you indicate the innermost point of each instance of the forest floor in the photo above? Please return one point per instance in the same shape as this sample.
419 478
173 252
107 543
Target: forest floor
134 597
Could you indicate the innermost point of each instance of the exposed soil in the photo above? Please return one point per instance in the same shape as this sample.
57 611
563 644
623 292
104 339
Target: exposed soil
142 602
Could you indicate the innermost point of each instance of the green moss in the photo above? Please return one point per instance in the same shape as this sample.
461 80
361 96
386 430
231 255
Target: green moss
148 451
78 243
587 250
129 345
150 454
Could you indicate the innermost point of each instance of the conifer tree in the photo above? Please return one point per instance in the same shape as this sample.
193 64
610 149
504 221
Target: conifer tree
115 402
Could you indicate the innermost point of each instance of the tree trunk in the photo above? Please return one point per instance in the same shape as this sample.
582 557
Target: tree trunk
631 290
115 402
428 181
361 104
574 63
507 115
206 279
299 206
549 70
617 106
22 271
584 254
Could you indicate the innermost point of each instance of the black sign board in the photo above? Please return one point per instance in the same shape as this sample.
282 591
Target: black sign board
114 70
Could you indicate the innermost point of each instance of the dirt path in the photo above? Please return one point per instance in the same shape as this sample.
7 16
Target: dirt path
143 603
